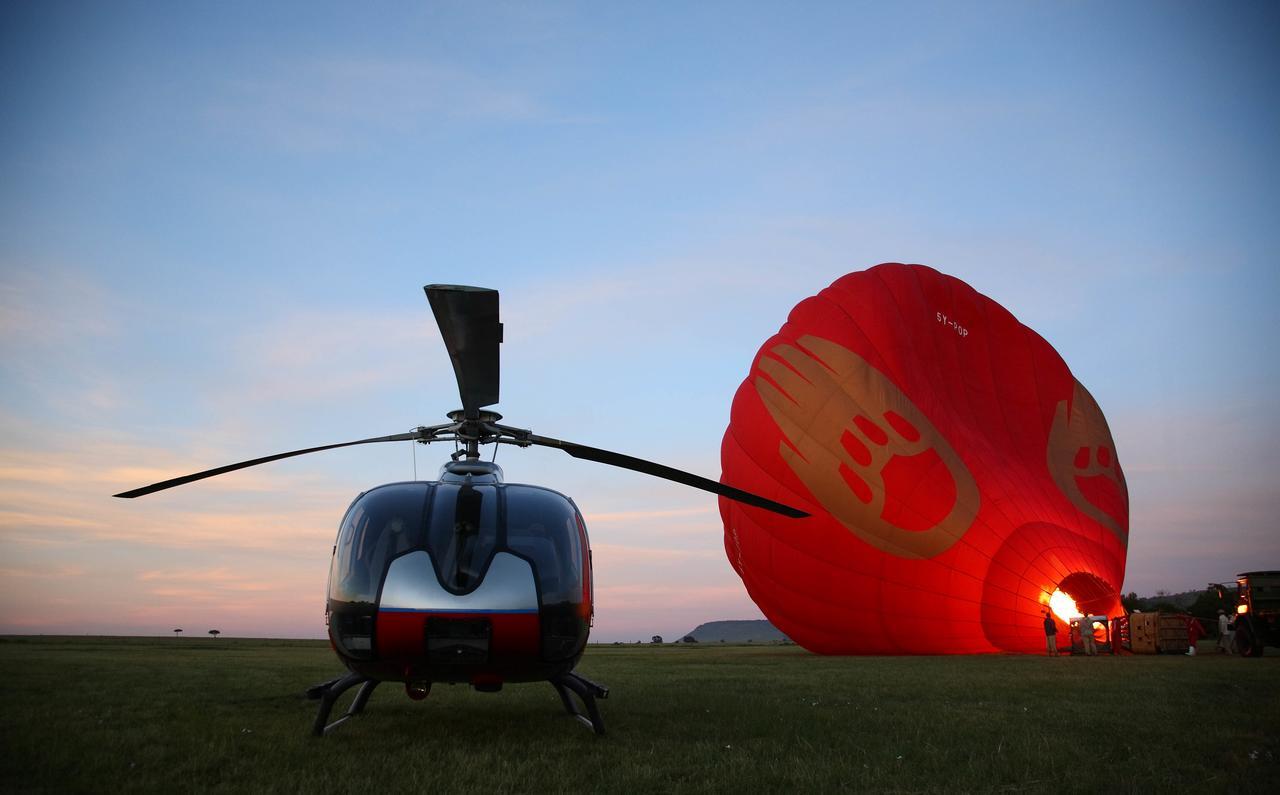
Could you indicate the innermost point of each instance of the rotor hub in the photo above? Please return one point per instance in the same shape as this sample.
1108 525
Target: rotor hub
460 415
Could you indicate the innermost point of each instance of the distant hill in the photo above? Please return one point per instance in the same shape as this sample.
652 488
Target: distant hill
737 632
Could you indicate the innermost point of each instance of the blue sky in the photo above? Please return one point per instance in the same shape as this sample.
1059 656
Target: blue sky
216 220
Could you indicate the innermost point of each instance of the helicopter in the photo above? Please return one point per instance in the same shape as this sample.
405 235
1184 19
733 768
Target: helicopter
465 579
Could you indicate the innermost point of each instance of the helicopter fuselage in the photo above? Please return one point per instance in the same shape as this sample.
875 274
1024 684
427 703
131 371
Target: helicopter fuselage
465 579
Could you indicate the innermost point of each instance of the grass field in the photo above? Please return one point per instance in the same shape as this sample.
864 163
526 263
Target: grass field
108 714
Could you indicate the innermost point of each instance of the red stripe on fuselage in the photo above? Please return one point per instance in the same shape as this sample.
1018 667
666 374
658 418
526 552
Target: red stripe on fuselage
402 634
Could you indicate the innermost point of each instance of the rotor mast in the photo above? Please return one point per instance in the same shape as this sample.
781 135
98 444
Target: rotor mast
472 432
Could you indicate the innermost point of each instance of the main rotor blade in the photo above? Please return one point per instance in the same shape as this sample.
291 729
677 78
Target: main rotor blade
208 473
468 320
667 473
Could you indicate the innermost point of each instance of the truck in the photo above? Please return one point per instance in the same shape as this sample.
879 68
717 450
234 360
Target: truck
1257 610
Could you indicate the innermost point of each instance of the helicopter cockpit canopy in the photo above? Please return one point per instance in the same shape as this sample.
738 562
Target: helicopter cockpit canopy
480 536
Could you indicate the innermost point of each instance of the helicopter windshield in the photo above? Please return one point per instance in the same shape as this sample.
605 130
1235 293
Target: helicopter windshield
463 533
379 526
542 527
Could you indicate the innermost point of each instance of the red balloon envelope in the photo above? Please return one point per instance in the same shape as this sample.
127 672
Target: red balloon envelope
956 472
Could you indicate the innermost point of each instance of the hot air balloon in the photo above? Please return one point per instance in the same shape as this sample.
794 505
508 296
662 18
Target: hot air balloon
961 481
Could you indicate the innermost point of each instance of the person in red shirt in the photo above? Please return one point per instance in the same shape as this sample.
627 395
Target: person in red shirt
1194 633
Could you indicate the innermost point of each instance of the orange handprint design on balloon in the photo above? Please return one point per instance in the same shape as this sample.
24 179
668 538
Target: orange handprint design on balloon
868 455
1082 462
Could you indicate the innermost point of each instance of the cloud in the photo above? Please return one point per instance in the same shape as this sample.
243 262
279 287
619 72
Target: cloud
648 555
46 306
546 308
335 104
317 355
668 593
57 496
49 572
221 579
629 612
55 323
644 516
12 519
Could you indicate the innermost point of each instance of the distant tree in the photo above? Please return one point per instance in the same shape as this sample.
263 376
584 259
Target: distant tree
215 633
1131 602
177 632
656 639
688 639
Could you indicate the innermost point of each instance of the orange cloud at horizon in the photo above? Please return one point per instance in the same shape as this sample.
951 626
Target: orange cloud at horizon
249 554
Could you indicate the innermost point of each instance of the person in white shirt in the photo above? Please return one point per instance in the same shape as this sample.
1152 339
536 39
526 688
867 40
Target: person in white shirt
1086 636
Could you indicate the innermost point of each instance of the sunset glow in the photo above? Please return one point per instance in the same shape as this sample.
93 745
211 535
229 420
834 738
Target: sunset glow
217 219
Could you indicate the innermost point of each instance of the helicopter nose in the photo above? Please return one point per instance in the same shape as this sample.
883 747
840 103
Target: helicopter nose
419 620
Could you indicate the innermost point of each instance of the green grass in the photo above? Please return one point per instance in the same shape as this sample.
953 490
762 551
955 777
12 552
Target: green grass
108 714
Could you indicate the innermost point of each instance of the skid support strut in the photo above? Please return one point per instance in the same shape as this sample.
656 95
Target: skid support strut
328 694
587 691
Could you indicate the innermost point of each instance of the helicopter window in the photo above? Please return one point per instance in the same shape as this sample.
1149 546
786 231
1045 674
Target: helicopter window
382 524
463 533
542 526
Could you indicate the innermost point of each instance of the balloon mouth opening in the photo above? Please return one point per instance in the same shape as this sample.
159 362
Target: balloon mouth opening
1080 594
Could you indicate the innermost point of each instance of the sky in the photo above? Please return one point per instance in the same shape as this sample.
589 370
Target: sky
216 220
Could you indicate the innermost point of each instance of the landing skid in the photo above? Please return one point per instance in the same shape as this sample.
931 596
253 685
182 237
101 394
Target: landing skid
328 693
587 692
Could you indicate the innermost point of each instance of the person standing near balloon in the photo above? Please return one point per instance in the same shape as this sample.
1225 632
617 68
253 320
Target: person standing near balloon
1225 633
1051 634
1194 632
1086 636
